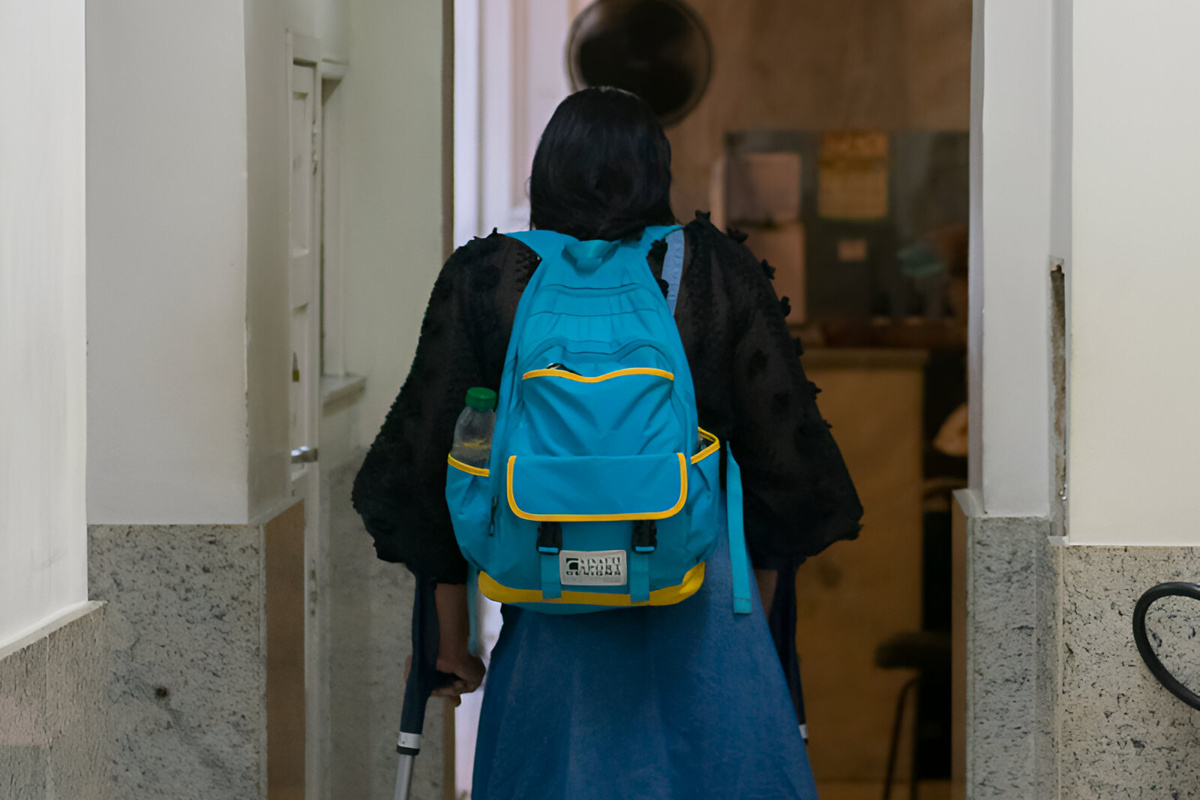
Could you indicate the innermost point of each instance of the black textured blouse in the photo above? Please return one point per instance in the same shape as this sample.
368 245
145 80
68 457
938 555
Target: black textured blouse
750 389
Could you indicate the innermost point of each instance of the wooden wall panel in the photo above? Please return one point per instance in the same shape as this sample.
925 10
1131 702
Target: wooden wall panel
285 655
823 65
938 63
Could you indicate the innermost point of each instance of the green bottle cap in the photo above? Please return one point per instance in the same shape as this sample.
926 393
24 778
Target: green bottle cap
481 399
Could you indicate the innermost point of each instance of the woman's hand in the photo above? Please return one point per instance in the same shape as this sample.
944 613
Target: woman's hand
469 671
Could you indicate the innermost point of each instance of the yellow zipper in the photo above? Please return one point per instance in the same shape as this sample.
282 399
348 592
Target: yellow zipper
621 373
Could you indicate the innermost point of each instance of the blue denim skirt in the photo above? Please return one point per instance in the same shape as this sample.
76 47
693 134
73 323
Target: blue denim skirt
684 701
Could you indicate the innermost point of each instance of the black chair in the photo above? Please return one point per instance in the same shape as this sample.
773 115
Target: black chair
927 652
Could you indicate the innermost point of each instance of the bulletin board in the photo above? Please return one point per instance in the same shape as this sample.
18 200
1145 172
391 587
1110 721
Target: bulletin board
845 213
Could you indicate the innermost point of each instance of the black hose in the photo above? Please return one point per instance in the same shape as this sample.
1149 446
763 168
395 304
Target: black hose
1168 680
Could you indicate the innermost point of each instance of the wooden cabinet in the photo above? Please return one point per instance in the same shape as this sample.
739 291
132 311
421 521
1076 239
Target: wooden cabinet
856 594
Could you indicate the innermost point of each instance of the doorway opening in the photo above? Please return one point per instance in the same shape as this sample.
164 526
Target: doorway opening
835 138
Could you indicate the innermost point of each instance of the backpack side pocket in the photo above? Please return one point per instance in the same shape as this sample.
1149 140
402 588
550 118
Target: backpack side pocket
472 508
704 495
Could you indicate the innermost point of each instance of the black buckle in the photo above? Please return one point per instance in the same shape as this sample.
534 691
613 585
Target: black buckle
645 536
549 539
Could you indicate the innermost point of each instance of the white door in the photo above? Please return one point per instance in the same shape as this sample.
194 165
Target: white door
303 254
304 301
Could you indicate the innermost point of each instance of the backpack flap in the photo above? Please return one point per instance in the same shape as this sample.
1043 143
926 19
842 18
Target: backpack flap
612 507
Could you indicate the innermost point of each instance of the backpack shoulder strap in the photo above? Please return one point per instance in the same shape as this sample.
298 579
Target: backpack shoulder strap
673 267
550 244
547 244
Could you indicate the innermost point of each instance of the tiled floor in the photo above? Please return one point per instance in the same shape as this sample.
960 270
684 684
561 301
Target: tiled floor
928 790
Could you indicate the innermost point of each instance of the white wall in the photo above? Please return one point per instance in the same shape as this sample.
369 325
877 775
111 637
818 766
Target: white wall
1062 125
1011 119
510 76
167 156
468 144
501 201
975 245
1135 432
268 341
43 346
393 191
326 20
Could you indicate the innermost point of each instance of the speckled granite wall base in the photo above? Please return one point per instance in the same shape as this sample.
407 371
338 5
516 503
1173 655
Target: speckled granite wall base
370 619
1060 705
1047 664
1010 651
185 636
54 739
1122 735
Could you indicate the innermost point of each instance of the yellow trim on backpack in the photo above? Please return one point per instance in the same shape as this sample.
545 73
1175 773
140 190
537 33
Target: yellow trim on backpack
659 597
621 373
683 492
461 467
708 451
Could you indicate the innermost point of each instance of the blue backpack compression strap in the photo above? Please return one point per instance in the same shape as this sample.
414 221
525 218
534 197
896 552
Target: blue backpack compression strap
672 271
738 558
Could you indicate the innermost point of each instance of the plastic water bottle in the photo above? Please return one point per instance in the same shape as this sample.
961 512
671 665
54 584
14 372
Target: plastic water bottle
473 432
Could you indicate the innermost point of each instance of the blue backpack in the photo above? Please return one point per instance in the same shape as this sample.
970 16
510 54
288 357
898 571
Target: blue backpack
602 491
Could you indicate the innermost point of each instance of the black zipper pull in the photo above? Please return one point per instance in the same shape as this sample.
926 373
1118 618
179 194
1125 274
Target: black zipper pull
492 520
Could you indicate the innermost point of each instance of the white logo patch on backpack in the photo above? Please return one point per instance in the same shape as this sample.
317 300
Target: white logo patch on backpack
587 568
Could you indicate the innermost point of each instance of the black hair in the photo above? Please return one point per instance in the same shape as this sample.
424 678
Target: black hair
602 169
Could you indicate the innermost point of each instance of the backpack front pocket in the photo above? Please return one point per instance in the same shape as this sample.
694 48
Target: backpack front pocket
627 513
571 409
472 508
597 488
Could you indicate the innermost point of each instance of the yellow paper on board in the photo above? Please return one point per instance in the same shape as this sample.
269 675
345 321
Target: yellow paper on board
852 179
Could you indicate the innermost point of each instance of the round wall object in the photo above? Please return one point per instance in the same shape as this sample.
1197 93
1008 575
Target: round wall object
658 49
